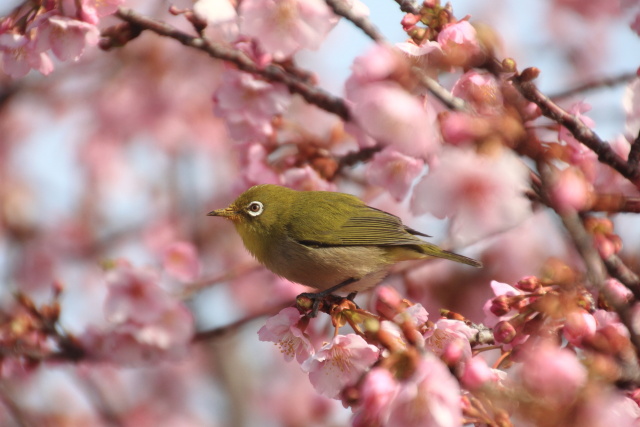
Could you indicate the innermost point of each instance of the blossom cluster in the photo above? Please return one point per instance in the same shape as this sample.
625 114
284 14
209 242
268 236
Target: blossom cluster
555 347
441 127
64 28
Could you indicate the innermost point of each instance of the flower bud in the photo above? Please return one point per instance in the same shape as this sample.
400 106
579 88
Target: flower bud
500 305
504 332
529 284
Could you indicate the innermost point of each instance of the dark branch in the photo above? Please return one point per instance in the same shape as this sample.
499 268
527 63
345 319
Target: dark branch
311 94
341 8
579 130
595 84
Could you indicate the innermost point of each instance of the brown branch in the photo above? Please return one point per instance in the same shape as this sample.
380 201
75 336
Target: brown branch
634 153
312 95
451 102
579 130
594 84
341 8
231 327
623 274
595 270
408 6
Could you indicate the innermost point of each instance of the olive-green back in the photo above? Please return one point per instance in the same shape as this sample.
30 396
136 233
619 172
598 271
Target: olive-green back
337 219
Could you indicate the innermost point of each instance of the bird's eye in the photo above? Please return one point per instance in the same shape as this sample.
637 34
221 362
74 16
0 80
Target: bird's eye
255 208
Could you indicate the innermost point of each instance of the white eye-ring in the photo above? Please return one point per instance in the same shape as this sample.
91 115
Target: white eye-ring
255 208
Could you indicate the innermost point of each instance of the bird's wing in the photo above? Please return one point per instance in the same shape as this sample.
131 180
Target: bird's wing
349 222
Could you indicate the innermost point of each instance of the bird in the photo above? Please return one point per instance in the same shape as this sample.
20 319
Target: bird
328 241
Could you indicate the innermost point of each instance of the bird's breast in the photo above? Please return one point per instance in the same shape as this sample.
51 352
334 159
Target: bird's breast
324 267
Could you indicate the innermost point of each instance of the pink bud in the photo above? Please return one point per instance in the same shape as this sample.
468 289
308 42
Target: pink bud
504 332
500 305
529 284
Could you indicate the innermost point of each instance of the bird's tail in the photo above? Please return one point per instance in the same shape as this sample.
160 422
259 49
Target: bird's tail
435 251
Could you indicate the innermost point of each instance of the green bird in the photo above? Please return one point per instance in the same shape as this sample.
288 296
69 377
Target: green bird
325 240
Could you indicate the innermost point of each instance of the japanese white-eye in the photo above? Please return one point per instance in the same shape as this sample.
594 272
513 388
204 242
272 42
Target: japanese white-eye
325 240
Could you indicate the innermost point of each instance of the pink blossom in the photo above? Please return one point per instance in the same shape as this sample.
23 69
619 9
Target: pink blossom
499 289
340 363
396 118
306 179
221 17
20 54
429 397
377 391
579 324
459 42
181 260
285 26
134 295
617 291
481 194
67 37
394 171
93 10
134 344
477 373
552 373
428 55
248 104
635 25
631 104
283 330
416 313
447 332
458 128
255 170
607 408
481 91
378 64
571 191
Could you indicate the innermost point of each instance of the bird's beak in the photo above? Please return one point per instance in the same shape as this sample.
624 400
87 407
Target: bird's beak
228 212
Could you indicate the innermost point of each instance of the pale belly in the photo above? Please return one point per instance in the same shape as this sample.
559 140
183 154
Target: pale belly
322 268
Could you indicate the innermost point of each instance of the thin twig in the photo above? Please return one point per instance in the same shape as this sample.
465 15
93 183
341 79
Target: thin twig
311 94
578 129
408 6
593 85
222 330
634 153
341 8
623 274
451 102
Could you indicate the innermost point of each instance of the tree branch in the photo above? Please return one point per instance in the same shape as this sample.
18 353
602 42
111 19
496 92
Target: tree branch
594 84
341 8
578 129
311 94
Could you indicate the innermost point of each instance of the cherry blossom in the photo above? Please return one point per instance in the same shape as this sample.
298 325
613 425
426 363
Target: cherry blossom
20 54
181 261
394 171
340 363
552 373
429 397
67 37
283 330
393 117
446 333
378 389
481 194
248 104
284 27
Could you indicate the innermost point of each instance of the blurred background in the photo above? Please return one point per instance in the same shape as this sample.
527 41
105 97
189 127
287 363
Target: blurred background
119 156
